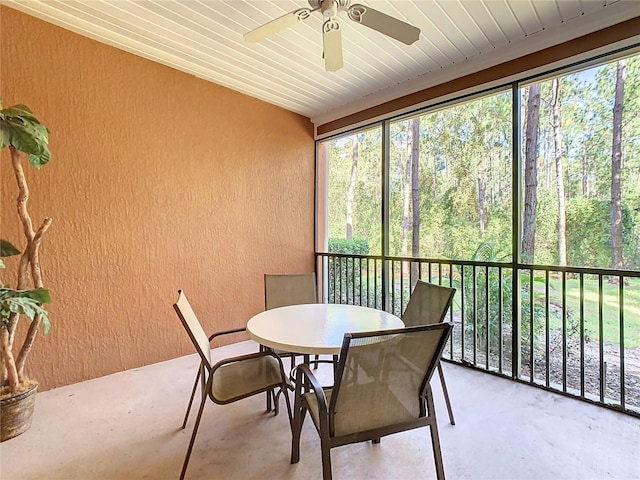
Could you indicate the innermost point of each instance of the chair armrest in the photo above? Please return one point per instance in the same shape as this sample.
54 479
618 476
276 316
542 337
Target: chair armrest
315 386
226 332
244 357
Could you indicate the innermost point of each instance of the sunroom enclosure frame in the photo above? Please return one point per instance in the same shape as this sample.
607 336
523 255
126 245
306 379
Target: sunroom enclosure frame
340 281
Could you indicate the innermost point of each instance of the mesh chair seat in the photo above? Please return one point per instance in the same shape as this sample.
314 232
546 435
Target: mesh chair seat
312 402
383 409
240 379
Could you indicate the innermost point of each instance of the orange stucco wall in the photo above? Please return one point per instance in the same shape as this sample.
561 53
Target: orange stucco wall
158 181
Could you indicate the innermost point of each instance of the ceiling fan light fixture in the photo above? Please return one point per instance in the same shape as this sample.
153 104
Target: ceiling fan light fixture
329 8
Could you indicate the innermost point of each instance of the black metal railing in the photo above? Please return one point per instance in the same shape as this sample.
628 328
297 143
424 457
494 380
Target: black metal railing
566 329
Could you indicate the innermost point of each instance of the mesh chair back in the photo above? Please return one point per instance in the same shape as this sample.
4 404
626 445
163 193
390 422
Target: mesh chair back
289 289
382 377
428 304
193 327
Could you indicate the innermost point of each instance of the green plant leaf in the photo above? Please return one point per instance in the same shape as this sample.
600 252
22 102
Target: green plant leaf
5 137
7 249
21 129
24 302
40 295
20 110
30 138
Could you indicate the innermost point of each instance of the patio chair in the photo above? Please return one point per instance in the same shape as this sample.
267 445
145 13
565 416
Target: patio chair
367 405
427 305
282 290
230 379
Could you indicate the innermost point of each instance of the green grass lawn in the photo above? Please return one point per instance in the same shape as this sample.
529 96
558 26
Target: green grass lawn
610 309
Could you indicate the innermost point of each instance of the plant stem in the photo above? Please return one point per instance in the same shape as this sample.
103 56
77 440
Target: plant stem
30 258
8 361
37 280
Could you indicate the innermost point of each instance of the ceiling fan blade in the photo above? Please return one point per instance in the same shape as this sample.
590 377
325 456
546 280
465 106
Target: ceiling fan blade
332 45
278 24
384 23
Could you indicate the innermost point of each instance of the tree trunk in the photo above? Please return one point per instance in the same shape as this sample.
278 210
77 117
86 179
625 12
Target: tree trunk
406 193
531 174
585 169
352 188
616 164
482 192
415 195
557 144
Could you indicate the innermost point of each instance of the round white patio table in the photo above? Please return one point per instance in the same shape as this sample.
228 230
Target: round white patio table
316 328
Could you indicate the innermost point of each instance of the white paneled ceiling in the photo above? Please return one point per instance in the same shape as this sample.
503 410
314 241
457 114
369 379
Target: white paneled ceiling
204 38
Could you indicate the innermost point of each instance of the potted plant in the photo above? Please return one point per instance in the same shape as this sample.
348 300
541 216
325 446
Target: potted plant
21 133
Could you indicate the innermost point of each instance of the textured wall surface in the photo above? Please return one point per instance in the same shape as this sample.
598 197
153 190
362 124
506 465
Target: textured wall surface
158 181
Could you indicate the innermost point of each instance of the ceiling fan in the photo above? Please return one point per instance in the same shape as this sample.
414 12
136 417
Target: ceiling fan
331 33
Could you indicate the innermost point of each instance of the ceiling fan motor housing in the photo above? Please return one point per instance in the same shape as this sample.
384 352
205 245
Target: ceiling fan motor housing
330 8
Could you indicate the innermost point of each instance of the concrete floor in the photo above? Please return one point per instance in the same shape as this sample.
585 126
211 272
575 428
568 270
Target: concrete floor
125 426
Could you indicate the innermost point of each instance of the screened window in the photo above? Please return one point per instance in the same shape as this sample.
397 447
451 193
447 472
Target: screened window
450 180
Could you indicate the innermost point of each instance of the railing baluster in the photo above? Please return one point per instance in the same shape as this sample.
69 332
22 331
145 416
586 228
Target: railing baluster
532 359
453 330
333 290
603 385
622 369
564 331
500 320
547 353
377 270
475 316
582 385
340 280
360 281
353 281
393 285
462 313
401 288
487 316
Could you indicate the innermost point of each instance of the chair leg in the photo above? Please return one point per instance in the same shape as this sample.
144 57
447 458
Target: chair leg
193 436
299 413
262 348
376 441
446 394
435 438
273 395
276 402
269 394
193 392
285 394
326 459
